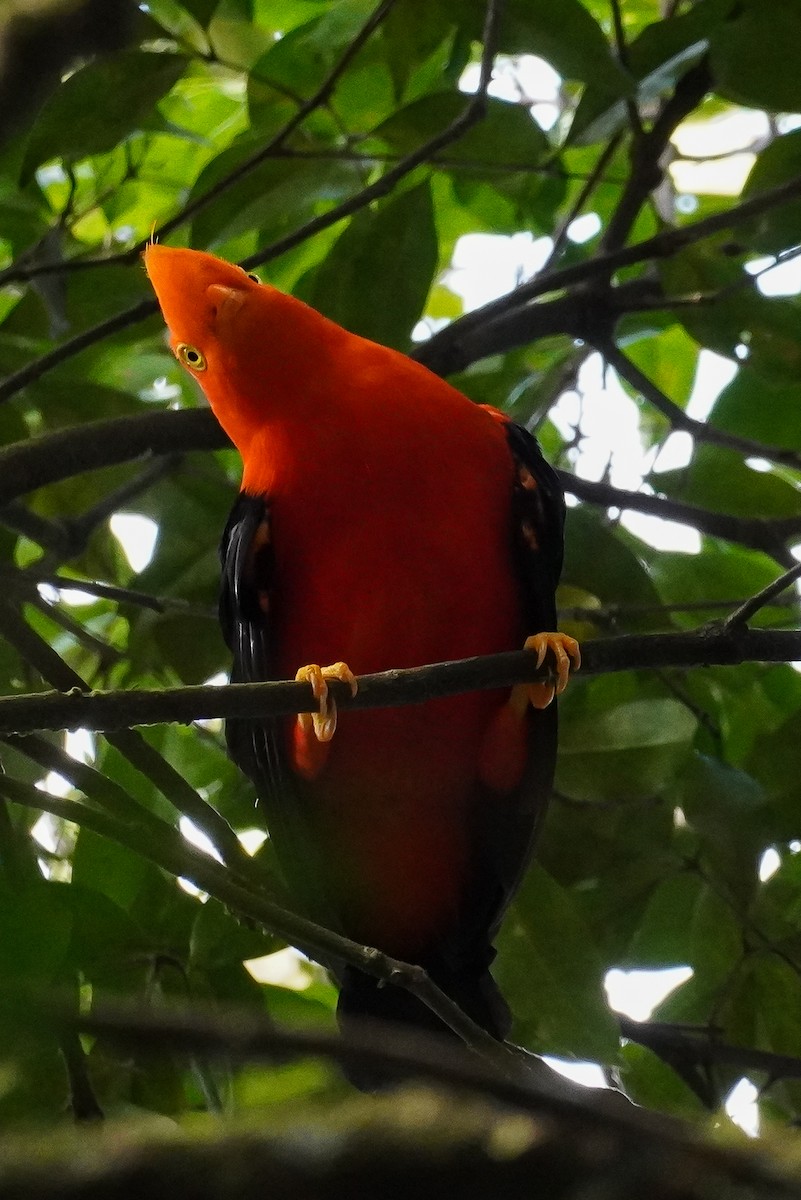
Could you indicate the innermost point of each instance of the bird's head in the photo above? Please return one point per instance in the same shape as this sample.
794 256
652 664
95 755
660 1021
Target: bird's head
253 350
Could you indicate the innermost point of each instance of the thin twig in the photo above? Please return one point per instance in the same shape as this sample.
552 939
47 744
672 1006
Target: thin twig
128 742
31 580
317 100
439 351
473 112
115 710
679 419
176 856
590 184
742 615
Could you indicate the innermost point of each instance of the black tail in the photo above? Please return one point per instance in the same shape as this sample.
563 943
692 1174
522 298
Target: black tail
364 998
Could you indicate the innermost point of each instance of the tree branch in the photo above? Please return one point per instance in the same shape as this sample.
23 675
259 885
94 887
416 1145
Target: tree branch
473 112
116 710
128 742
702 1047
768 534
26 466
743 614
173 854
679 419
450 349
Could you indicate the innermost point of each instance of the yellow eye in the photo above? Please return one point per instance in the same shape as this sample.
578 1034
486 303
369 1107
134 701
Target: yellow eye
252 275
190 356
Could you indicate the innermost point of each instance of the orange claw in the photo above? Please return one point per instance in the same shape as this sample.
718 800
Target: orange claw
568 656
324 722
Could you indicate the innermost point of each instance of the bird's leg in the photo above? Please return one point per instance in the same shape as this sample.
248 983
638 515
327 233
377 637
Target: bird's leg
502 758
314 731
567 654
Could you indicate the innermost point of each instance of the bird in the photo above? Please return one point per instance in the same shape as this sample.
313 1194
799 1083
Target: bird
384 521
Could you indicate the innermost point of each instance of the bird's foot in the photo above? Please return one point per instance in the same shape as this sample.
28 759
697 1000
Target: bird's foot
503 753
323 723
565 650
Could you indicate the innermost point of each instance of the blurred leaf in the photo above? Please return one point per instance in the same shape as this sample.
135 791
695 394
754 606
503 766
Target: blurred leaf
99 104
396 242
660 939
568 38
507 135
751 78
545 954
218 939
35 931
754 407
779 162
719 480
632 751
602 561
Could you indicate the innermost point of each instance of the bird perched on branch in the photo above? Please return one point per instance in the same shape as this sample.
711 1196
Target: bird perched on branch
384 521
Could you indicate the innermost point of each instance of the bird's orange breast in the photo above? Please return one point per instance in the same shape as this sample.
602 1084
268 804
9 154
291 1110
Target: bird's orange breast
404 565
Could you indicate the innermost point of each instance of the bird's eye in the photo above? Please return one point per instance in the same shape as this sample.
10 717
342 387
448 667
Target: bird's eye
252 275
190 356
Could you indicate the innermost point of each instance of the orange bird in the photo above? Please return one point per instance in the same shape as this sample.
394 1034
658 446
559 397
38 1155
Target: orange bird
384 521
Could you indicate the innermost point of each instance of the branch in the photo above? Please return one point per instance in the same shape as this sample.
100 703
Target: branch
647 150
173 854
768 534
742 615
128 742
678 418
31 579
702 1047
116 710
472 113
26 466
450 349
306 108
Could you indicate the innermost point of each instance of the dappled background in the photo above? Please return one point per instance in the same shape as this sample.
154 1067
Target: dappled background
590 242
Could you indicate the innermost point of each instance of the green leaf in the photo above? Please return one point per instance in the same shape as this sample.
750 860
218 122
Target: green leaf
219 940
550 972
660 939
650 1082
184 21
715 952
722 572
410 34
657 58
759 408
748 77
717 479
35 931
506 135
632 751
567 37
775 762
603 562
779 162
274 197
299 62
100 104
393 245
102 867
729 811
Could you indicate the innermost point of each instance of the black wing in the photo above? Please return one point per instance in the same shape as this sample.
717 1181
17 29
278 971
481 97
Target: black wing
538 514
248 593
538 523
505 830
